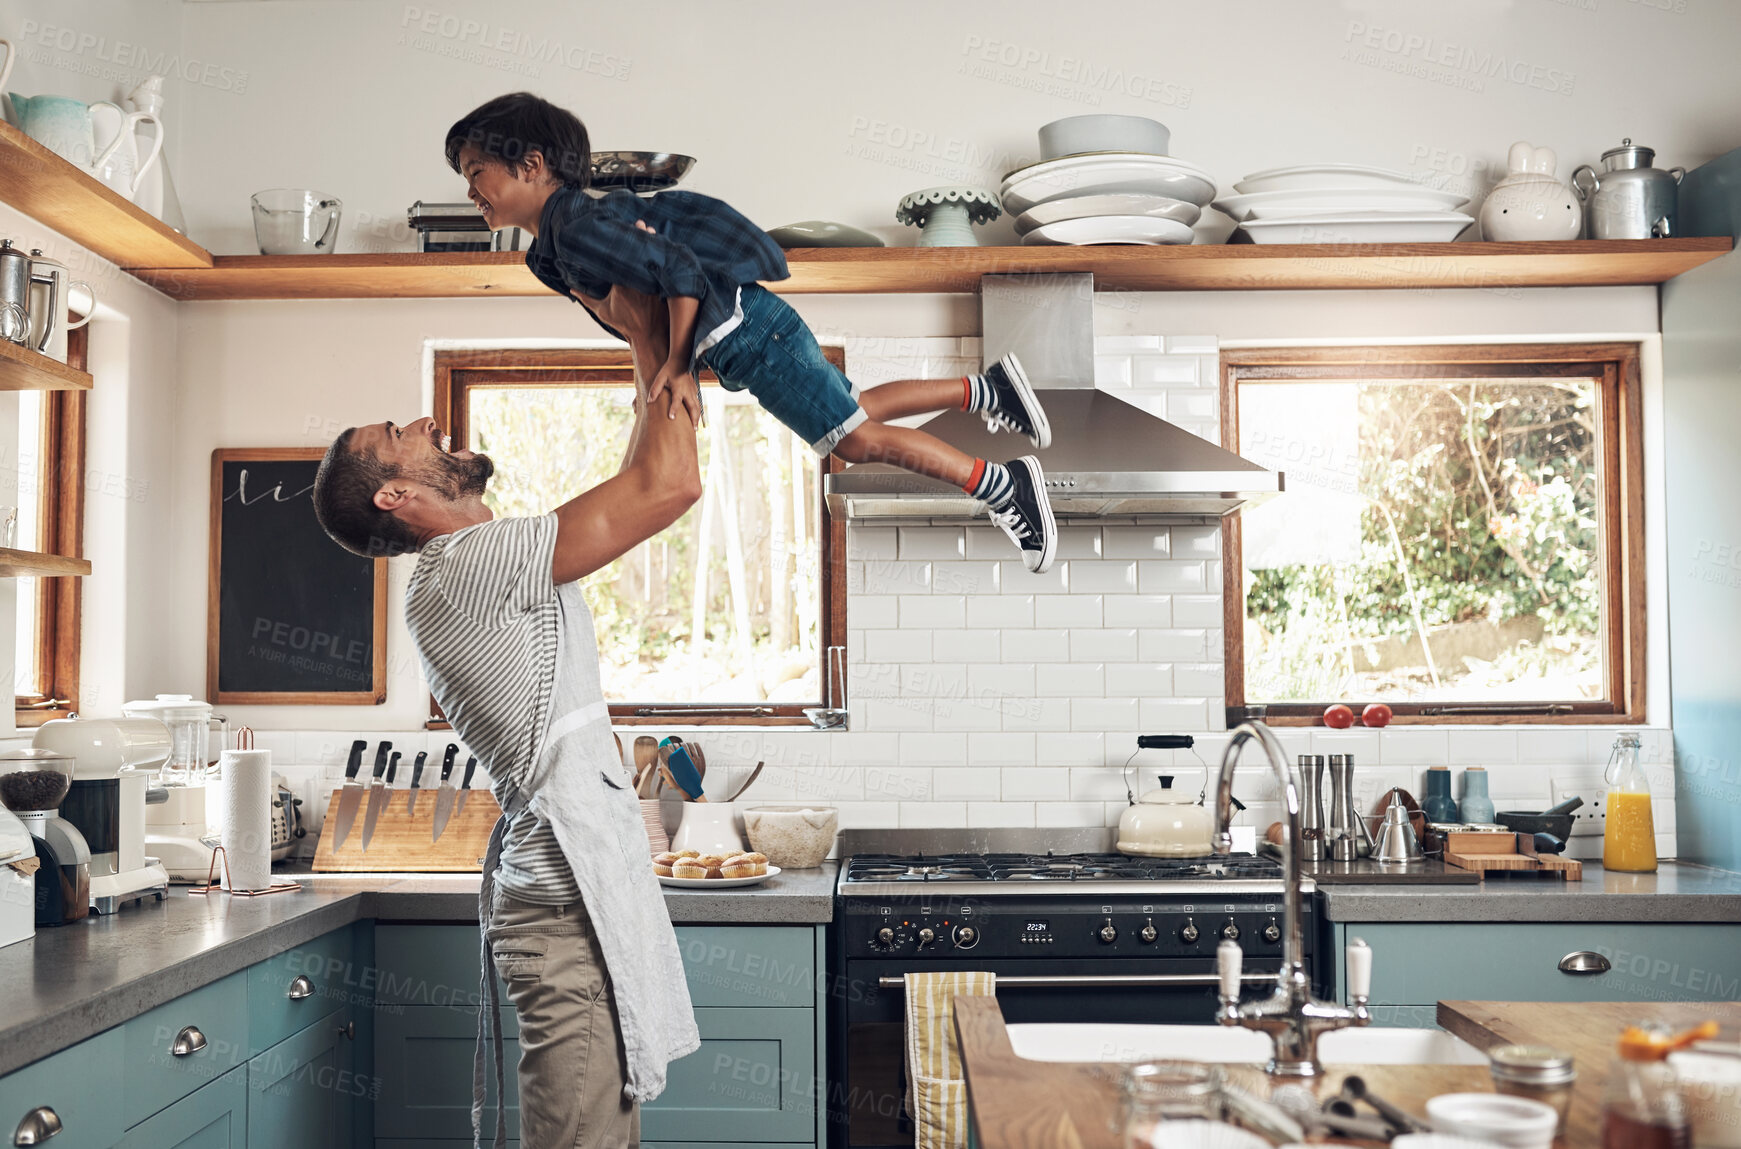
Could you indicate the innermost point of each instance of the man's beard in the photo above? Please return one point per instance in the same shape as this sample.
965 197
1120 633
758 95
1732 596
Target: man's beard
455 478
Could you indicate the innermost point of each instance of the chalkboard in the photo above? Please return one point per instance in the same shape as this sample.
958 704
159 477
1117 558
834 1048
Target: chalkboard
292 618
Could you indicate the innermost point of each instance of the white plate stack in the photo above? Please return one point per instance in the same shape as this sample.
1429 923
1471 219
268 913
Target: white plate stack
1343 203
1136 194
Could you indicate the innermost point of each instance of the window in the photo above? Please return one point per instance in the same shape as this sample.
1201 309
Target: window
1461 535
725 616
50 457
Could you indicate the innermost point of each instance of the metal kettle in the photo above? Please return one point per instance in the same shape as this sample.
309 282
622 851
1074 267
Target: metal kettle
1629 199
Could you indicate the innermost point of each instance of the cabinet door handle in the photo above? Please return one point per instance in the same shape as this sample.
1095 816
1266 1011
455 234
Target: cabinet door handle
1585 962
349 1030
38 1126
301 988
189 1041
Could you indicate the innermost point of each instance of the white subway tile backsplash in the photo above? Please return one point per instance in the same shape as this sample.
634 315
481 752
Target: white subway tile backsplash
865 749
888 714
893 577
1000 748
874 612
897 783
1196 542
1196 610
1480 747
1365 745
1008 680
1137 542
1191 404
966 714
1193 344
965 578
937 611
934 680
927 749
1163 370
1112 372
1036 714
967 783
1110 645
1172 645
1036 645
1138 610
874 680
897 645
1141 680
1066 610
1070 814
969 645
1159 577
1414 746
1069 680
995 612
869 815
1556 745
1035 784
1126 344
933 815
1103 577
1174 714
865 542
994 815
987 542
1073 749
1107 714
1097 784
1078 542
1018 579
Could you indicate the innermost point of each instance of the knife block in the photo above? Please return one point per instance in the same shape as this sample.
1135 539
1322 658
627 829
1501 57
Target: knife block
401 841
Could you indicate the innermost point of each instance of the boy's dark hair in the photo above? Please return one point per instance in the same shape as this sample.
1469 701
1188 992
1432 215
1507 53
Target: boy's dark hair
344 502
511 127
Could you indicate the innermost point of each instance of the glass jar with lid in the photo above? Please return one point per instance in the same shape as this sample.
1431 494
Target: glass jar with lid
1156 1092
34 781
1538 1072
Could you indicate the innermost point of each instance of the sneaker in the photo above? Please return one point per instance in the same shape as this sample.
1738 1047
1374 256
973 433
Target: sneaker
1015 407
1028 520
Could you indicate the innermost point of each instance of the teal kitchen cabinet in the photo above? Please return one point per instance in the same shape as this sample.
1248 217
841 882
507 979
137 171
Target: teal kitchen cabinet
76 1085
757 1079
182 1045
304 1091
214 1116
289 992
1415 966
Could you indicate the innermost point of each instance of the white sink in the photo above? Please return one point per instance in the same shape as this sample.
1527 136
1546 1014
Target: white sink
1071 1041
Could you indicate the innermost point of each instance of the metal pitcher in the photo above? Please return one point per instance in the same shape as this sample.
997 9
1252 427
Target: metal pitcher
1629 199
51 286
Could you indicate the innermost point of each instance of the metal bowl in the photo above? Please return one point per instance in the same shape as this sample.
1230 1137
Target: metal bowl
639 171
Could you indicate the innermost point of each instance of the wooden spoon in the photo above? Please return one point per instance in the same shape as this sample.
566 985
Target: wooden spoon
646 755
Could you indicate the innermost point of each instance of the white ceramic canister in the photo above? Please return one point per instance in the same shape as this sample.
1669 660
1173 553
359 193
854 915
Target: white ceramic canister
711 828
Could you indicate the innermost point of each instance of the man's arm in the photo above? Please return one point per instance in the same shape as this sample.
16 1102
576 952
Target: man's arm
660 478
673 377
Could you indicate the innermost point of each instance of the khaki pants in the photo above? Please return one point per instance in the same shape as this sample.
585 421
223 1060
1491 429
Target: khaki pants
572 1066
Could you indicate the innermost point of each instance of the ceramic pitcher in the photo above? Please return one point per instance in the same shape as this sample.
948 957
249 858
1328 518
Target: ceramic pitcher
115 136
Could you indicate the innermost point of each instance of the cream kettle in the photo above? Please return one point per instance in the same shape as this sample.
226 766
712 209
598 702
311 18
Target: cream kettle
1165 823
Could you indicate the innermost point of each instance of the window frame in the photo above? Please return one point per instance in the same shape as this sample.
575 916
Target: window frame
457 371
1622 527
61 511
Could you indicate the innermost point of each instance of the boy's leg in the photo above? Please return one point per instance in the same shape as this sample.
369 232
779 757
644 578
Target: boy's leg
1002 395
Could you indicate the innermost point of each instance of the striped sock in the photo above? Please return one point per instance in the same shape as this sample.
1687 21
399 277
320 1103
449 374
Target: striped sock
991 484
978 393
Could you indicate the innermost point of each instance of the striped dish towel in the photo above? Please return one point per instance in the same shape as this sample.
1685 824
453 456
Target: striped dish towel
937 1092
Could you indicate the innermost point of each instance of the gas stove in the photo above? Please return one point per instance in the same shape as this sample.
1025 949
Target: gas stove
872 874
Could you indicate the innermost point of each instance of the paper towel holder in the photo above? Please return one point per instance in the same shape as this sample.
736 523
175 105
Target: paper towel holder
244 741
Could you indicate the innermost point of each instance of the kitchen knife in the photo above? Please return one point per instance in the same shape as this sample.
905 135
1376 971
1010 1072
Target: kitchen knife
416 781
377 793
465 783
350 797
444 795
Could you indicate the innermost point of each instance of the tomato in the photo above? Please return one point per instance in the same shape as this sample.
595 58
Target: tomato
1376 714
1338 717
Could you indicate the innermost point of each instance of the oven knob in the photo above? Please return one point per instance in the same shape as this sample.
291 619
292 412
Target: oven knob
1148 932
1272 933
1189 934
1230 932
886 937
1108 932
926 937
966 937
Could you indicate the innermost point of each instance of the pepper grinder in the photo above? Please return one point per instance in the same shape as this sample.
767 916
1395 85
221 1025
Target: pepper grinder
1312 847
1349 836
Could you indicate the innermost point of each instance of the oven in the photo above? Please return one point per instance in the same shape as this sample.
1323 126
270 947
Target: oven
1129 951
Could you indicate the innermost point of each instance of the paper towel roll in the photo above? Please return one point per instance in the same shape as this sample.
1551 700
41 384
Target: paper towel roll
246 808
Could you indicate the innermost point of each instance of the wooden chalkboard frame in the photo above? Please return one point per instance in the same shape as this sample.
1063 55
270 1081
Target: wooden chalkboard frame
377 691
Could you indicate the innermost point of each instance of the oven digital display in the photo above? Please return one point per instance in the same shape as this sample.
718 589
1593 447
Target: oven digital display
1037 928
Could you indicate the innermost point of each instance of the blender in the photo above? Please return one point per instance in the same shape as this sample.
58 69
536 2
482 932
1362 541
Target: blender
32 784
178 829
107 801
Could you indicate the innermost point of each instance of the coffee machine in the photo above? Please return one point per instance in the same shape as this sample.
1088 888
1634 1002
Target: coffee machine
108 798
32 785
179 826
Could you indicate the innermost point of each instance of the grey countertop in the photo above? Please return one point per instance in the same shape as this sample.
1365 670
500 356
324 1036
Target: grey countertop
75 981
1677 892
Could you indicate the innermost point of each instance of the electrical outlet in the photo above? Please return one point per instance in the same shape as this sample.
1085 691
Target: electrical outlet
1592 816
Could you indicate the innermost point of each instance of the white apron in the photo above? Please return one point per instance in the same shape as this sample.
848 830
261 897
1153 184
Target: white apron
580 786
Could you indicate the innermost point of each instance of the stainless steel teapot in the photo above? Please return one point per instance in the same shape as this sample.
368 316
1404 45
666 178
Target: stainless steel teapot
1629 199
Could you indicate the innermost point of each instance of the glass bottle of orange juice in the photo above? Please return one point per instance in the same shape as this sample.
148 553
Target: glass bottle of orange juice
1629 843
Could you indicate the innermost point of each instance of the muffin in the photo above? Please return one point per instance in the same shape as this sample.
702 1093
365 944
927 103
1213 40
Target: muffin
738 866
759 861
688 868
689 853
662 863
712 862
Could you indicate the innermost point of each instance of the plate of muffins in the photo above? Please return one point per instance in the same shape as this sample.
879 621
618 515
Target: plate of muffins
693 870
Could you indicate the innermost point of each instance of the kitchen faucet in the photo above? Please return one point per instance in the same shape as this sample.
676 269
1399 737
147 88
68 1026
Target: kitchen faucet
1291 1015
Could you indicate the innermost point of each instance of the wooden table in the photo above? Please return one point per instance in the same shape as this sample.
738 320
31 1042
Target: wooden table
1588 1031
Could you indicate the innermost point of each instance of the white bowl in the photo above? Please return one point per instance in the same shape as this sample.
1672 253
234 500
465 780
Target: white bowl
1074 135
793 837
1497 1117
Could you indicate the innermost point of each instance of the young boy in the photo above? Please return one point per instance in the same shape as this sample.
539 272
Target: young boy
525 163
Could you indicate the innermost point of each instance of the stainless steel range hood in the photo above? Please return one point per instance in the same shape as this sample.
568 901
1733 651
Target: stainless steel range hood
1108 457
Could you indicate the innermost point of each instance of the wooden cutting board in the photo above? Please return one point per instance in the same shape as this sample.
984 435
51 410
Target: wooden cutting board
1482 853
401 842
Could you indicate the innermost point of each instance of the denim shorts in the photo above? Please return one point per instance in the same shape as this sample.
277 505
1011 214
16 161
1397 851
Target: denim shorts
772 355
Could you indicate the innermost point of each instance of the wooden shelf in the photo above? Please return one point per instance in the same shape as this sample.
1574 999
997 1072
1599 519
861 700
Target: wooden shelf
56 194
27 564
1207 267
22 369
